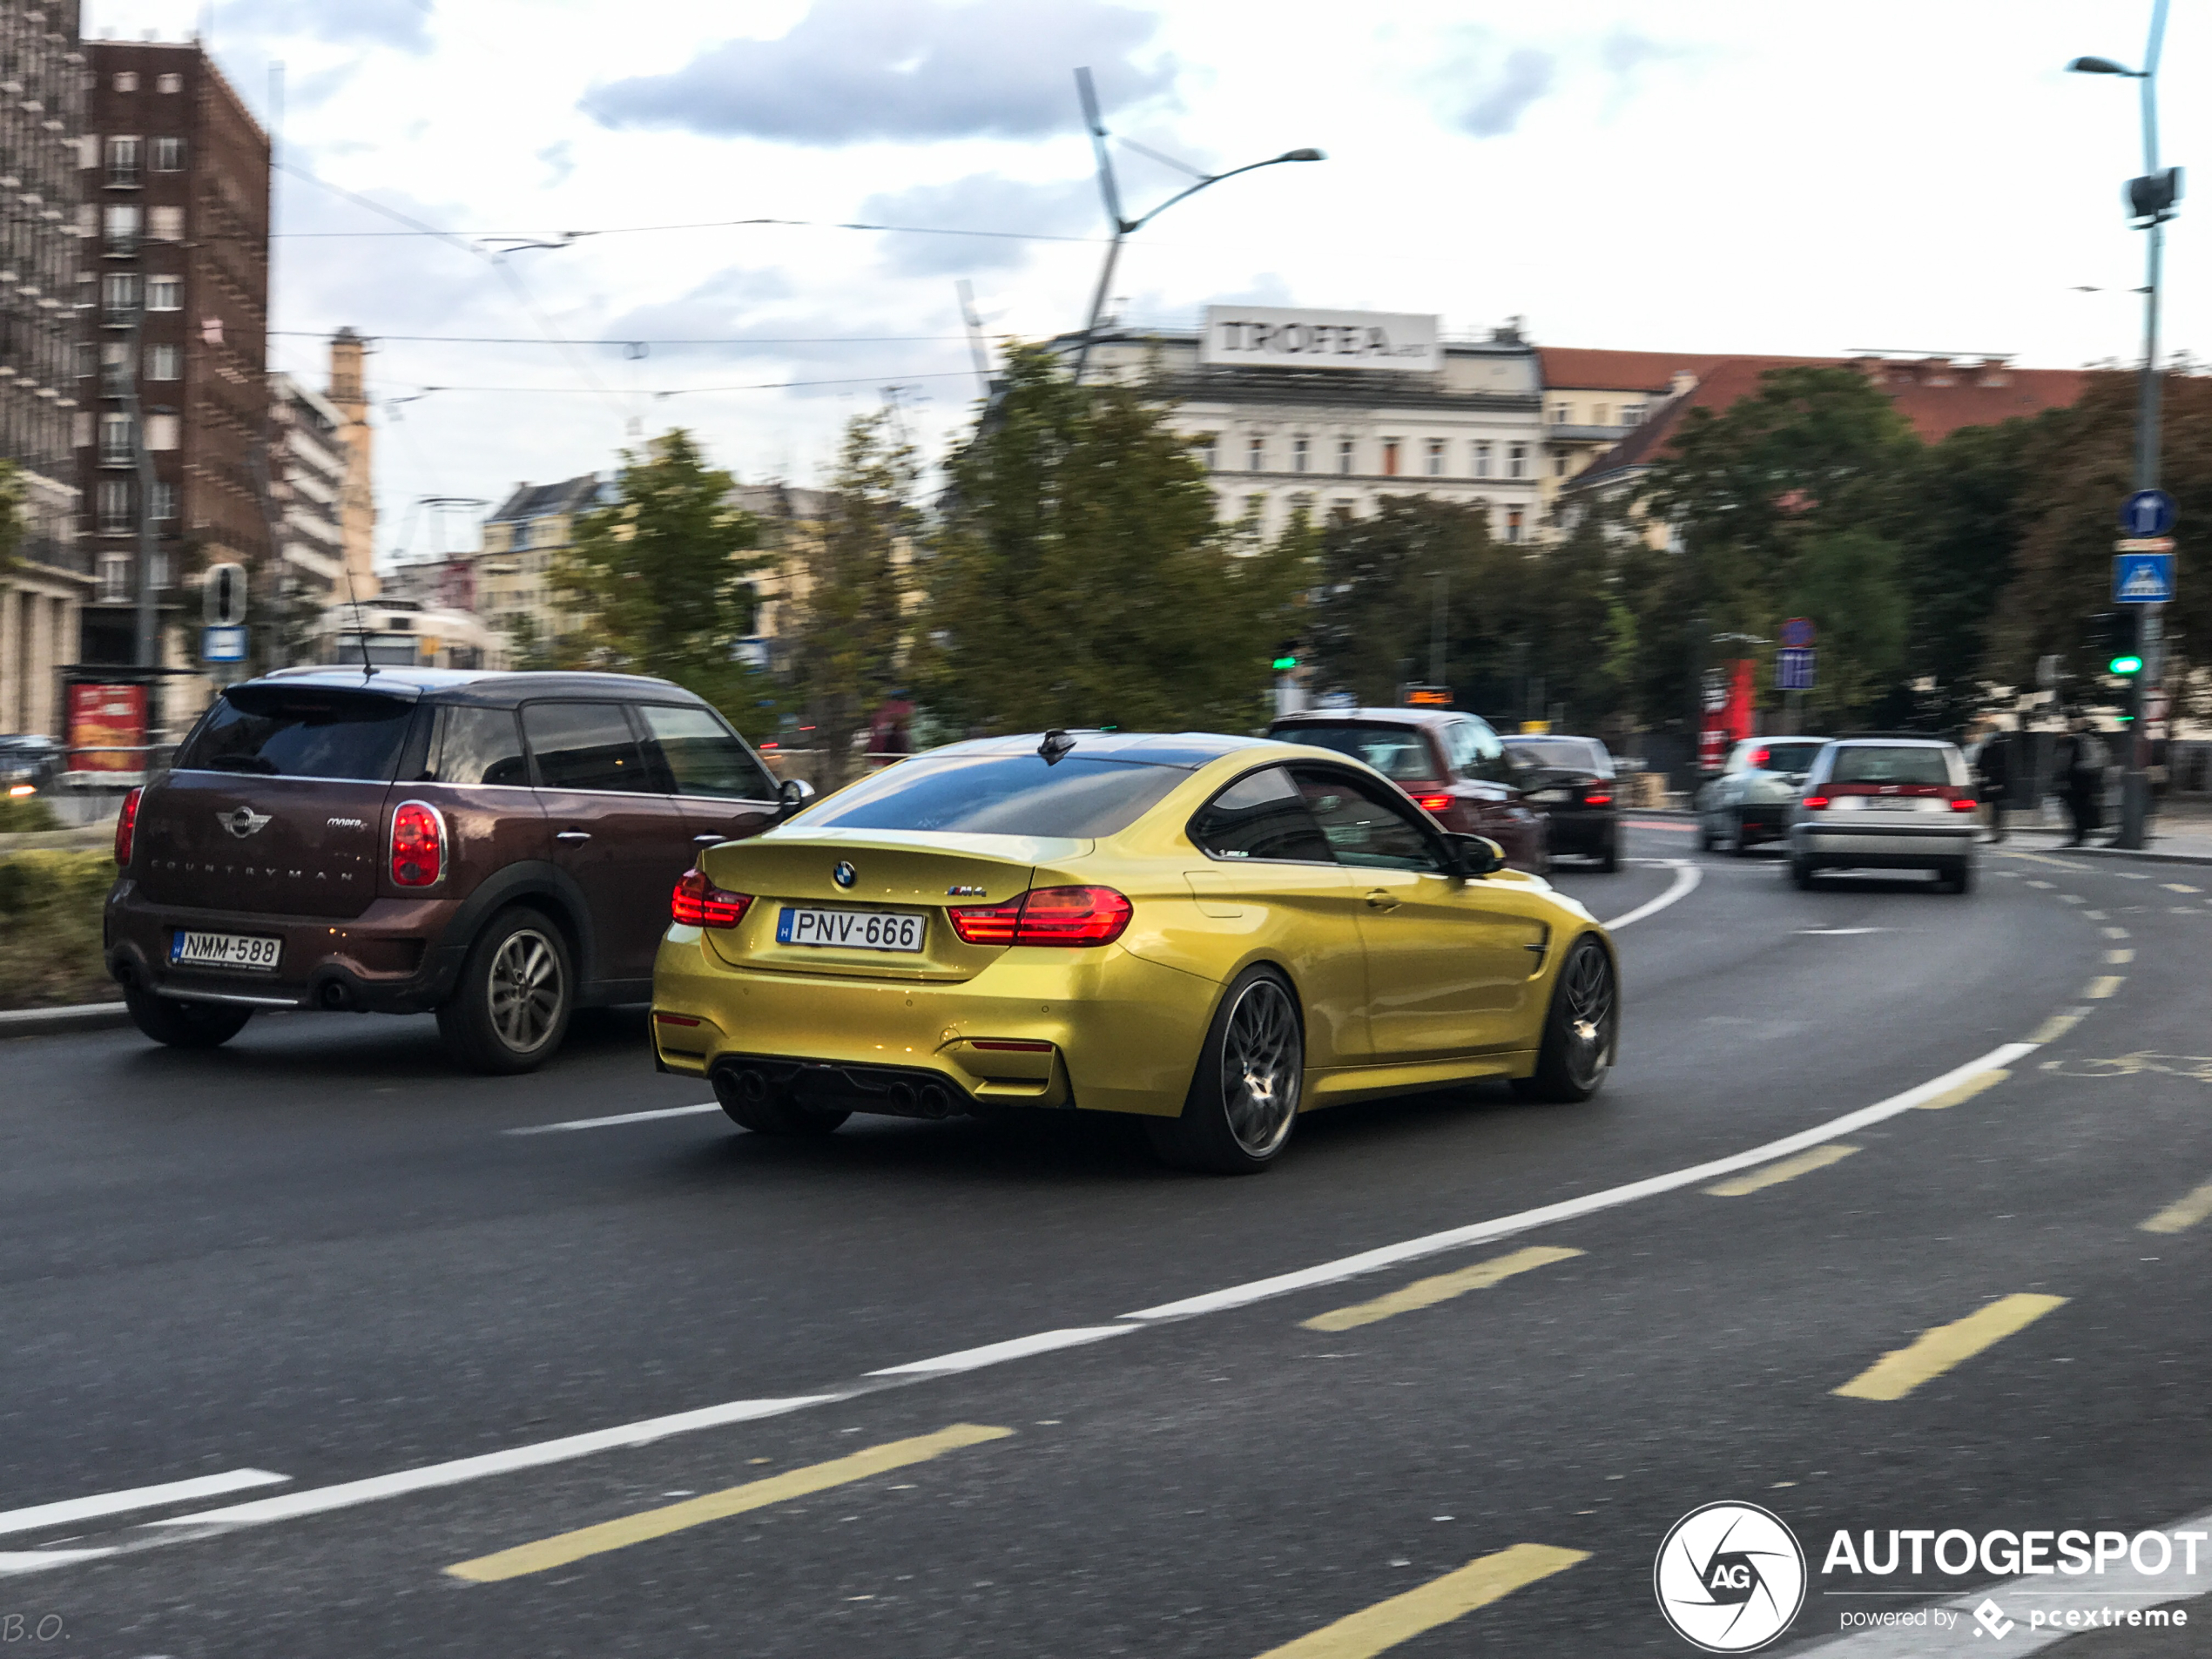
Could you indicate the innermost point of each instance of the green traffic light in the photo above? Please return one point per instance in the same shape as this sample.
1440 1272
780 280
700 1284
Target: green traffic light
1284 665
2126 665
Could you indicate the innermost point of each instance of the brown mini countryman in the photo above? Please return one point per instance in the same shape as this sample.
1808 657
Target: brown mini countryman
499 847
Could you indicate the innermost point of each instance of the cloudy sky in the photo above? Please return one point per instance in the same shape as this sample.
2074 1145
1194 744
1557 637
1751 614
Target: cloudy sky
1702 176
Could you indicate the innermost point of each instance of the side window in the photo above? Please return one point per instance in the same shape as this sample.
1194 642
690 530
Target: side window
478 746
1490 760
1365 829
585 746
1459 752
1260 817
702 755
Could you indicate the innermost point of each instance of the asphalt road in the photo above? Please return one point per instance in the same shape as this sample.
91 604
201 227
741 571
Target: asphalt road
320 1253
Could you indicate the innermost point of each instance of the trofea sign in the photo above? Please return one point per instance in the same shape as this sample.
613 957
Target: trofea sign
1275 337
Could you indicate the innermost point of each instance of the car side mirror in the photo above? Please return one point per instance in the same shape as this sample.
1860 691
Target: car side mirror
1477 855
794 794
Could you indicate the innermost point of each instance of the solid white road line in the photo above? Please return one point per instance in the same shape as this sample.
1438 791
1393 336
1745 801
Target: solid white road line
1687 875
998 1352
316 1500
1483 1232
118 1503
608 1123
16 1562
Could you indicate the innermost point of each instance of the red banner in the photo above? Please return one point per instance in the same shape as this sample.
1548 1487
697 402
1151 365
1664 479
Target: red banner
1728 711
111 720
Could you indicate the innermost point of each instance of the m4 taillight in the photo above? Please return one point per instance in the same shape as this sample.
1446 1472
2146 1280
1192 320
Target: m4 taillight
1598 799
418 844
1433 803
1046 916
126 829
698 902
1816 803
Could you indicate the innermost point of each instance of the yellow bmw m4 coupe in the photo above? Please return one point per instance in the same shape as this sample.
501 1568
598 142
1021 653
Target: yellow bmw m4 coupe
1212 934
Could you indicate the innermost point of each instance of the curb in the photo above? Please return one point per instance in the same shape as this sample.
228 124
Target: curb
83 1016
2145 855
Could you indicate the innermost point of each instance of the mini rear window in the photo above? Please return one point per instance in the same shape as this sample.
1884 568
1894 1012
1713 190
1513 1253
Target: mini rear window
1000 795
1399 752
279 732
1867 763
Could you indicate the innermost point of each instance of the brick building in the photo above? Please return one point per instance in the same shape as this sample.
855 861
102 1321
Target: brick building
176 223
42 95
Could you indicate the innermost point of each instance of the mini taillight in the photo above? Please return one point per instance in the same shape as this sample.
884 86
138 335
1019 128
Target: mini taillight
1816 803
1045 916
698 902
126 829
1597 800
1433 803
418 844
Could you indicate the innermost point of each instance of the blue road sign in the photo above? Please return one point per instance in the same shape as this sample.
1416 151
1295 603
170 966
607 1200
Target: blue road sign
222 645
2142 578
1797 633
1793 668
2148 512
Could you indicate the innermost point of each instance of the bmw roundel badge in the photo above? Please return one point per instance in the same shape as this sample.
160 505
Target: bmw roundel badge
844 875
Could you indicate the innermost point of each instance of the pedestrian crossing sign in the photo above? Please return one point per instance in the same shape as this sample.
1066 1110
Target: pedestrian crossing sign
2142 578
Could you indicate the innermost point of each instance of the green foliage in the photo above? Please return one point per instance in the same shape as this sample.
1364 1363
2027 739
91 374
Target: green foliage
1846 582
527 647
50 952
1372 628
1078 576
852 582
659 576
25 814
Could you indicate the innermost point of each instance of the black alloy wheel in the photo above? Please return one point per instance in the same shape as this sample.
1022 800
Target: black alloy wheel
1581 1030
1245 1095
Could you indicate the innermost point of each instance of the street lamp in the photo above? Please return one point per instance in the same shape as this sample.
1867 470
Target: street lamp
1123 227
2151 201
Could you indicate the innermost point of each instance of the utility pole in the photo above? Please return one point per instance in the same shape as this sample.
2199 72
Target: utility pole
146 647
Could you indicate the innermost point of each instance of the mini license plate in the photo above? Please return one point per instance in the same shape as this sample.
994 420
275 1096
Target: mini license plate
852 929
253 951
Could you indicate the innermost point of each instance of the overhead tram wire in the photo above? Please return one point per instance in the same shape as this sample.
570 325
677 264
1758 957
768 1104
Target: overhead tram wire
416 228
634 340
696 391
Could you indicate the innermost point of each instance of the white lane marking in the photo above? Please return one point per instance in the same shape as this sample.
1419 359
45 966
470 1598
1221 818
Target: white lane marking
1687 875
1840 932
998 1352
608 1123
316 1500
1483 1232
118 1503
2017 1599
13 1563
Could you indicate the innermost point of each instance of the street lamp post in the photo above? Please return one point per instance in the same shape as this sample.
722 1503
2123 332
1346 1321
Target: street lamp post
1123 227
2151 201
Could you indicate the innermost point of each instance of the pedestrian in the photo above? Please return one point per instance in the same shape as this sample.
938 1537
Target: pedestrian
1995 764
2082 760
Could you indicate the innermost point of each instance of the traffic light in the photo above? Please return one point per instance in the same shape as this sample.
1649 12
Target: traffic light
1286 656
2127 664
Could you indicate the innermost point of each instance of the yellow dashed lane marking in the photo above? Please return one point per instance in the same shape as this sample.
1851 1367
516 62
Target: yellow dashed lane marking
2183 1213
1376 1629
1967 1088
2104 985
2044 884
2182 886
1897 1374
2119 958
2058 1025
2115 933
1427 1292
2068 898
1788 1170
568 1547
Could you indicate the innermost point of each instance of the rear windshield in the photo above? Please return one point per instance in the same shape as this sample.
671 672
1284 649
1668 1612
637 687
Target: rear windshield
1867 764
1000 795
1396 752
271 731
1561 754
1786 757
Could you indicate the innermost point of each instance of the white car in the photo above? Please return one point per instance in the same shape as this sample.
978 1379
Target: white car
1749 801
1886 804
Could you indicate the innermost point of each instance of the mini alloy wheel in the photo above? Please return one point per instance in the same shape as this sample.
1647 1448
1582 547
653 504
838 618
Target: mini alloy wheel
527 989
510 1008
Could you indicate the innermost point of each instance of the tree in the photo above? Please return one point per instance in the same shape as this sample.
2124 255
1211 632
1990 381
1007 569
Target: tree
851 589
659 576
1372 625
1078 576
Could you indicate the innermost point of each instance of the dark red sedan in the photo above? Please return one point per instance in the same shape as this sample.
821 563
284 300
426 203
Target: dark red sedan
1453 764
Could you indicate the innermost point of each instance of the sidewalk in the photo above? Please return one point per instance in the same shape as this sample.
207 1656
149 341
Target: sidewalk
2180 834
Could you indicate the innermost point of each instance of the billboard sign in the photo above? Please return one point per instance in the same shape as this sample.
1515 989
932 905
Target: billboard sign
1278 337
107 728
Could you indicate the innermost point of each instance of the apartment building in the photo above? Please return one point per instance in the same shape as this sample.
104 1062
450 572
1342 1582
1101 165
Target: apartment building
524 535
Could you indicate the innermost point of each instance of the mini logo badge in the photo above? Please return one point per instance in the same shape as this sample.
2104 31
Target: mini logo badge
844 875
242 822
1730 1577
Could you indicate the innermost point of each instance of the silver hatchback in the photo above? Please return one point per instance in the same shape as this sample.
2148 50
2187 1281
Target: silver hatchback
1749 800
1886 804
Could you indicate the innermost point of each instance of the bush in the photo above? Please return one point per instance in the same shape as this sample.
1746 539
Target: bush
21 814
49 929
